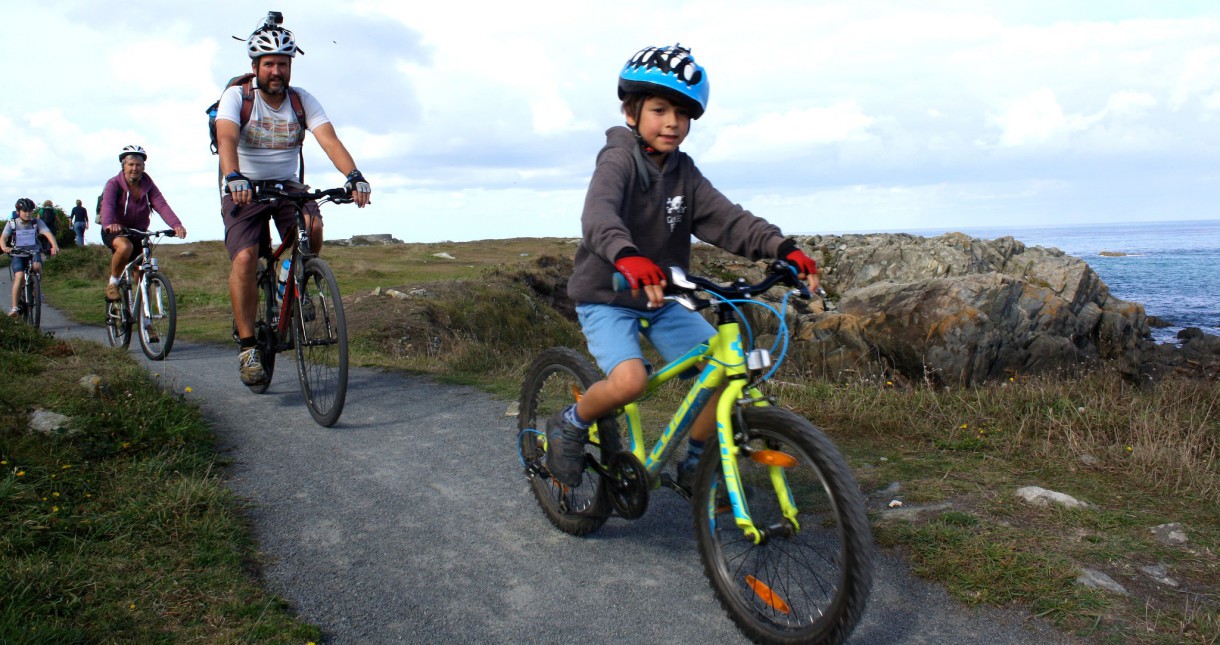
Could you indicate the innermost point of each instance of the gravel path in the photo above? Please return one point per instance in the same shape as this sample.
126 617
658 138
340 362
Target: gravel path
410 521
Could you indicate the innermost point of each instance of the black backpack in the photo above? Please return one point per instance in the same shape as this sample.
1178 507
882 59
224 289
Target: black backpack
246 81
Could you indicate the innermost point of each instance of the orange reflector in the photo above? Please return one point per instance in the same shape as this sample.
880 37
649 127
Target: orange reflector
577 395
773 458
766 595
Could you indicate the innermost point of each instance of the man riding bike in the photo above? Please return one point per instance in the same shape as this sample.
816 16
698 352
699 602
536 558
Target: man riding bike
264 150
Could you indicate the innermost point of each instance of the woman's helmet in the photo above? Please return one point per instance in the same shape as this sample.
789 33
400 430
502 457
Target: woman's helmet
25 204
271 40
133 150
670 72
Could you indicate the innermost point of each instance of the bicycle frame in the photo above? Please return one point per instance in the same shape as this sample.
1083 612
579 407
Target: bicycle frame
297 245
726 361
145 264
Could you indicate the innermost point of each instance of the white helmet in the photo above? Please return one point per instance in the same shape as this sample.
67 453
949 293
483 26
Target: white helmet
271 40
133 150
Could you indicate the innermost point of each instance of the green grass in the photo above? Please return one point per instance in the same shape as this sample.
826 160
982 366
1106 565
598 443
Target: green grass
1142 456
118 528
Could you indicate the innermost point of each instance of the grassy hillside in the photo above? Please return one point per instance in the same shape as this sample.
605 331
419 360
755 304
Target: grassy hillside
477 312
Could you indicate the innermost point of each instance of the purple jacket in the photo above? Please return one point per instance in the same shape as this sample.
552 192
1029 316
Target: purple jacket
119 208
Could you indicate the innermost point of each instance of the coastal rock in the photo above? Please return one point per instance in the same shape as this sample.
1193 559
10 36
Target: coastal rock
958 310
372 239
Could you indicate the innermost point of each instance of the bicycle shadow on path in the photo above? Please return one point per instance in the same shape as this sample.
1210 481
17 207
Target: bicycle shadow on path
424 530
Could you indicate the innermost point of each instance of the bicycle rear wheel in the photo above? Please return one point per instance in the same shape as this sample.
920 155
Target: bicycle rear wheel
809 579
264 326
161 319
556 379
118 323
320 332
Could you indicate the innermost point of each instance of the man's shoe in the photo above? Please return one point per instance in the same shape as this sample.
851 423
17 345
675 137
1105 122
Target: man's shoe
250 368
565 450
112 291
13 312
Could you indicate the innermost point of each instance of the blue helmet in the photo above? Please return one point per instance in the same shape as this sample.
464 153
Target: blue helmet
670 72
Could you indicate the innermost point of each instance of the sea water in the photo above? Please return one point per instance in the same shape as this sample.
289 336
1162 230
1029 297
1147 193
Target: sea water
1169 267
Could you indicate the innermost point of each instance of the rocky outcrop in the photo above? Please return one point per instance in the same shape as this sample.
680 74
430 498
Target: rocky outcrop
959 310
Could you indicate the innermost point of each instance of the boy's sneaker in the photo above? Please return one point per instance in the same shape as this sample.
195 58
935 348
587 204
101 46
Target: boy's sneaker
112 291
152 335
686 481
250 368
565 450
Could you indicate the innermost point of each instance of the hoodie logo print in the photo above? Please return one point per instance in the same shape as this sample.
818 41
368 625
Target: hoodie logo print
675 208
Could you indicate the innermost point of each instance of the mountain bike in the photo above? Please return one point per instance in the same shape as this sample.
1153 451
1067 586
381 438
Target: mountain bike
29 298
309 314
146 300
780 521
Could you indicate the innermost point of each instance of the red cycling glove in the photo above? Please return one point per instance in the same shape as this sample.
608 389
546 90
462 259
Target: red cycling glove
797 258
639 270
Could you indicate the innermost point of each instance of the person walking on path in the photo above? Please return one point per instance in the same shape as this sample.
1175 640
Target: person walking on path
80 222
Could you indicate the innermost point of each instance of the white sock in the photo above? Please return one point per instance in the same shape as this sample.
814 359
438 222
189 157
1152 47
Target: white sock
114 280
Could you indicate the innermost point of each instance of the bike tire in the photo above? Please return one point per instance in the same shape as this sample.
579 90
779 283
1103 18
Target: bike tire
265 338
34 307
118 321
320 335
808 585
551 383
162 316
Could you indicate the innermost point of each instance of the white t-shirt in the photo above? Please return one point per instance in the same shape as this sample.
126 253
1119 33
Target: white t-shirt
266 147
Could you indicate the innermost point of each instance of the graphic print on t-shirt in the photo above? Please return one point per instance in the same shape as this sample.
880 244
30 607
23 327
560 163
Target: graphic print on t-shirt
271 134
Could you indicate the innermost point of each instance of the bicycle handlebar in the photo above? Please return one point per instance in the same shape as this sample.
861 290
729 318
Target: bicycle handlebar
678 280
266 194
135 232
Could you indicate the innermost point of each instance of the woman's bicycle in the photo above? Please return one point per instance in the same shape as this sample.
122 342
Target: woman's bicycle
146 301
309 315
780 521
29 298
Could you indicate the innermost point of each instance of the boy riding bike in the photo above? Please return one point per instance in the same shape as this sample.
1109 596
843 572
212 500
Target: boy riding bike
260 145
24 233
645 201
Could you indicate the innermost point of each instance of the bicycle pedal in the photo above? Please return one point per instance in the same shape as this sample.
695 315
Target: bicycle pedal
668 481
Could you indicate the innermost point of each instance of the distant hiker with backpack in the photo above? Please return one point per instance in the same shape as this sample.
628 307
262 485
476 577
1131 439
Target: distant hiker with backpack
259 132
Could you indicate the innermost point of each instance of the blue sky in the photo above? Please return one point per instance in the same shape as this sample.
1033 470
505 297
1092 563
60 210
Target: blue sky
481 120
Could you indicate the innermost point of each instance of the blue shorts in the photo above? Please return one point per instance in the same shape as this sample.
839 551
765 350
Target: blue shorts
613 333
19 264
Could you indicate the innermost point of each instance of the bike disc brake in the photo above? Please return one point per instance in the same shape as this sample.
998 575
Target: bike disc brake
627 485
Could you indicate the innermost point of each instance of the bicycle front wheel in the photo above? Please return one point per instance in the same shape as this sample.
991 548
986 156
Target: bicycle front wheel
321 341
33 311
808 579
158 318
265 326
118 324
555 380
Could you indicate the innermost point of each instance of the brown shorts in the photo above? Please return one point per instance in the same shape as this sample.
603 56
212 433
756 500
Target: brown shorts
246 226
108 240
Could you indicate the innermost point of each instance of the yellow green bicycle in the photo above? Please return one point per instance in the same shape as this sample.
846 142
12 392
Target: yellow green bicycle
780 522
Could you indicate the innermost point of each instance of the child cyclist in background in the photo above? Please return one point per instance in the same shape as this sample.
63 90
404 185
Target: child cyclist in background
645 201
25 232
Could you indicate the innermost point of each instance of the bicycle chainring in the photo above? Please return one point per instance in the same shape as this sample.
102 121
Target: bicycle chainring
627 486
